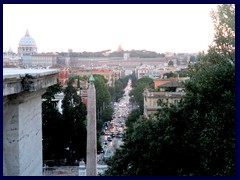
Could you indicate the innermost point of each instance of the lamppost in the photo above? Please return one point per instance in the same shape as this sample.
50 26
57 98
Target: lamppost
131 99
67 149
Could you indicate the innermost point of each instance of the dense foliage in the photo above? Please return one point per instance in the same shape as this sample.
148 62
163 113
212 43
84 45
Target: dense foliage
118 90
52 125
170 75
64 135
138 88
74 118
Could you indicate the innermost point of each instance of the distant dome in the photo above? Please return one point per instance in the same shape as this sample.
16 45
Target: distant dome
27 45
27 40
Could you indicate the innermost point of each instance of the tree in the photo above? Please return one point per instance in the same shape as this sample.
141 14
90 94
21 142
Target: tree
51 124
170 63
183 73
212 85
74 118
170 75
137 91
133 77
103 108
224 24
132 117
103 97
193 59
197 137
78 83
118 90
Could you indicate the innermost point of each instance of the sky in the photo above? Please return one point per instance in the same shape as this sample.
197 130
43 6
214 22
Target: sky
96 27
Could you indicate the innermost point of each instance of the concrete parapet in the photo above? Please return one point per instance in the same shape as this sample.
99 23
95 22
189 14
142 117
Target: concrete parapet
22 119
17 80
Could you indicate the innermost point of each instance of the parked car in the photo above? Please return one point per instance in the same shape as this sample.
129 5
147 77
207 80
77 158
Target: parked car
109 138
119 135
105 142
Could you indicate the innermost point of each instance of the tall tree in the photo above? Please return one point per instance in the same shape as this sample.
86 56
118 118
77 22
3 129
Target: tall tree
118 90
74 117
103 97
212 86
137 92
78 82
224 24
103 108
52 124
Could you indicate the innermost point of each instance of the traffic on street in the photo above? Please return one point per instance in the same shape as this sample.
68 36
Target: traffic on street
113 131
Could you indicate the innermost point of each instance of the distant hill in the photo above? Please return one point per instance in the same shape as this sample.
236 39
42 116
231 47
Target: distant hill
106 53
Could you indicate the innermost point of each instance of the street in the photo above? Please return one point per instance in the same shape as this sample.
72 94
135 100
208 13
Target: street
113 131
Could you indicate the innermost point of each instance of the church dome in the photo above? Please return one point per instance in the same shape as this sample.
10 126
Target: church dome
27 45
27 40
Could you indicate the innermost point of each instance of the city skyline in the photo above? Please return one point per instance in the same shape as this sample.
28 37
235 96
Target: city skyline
160 28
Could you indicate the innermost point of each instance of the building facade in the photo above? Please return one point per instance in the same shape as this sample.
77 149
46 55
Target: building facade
11 58
168 94
143 70
44 59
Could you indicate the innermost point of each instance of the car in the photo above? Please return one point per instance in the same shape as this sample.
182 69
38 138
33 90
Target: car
105 142
109 138
111 124
119 135
105 124
107 132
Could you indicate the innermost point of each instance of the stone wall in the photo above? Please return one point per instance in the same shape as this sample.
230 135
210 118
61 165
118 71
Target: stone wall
22 121
23 135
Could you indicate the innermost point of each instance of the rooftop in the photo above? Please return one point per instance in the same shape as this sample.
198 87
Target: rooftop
171 84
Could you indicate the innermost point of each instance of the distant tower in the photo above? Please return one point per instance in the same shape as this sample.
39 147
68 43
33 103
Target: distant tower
91 169
120 48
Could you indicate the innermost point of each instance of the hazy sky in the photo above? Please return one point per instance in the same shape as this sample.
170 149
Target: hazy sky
85 27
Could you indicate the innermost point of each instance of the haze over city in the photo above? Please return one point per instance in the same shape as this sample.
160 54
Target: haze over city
83 27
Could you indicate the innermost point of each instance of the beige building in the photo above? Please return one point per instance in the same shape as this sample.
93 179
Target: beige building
44 59
170 93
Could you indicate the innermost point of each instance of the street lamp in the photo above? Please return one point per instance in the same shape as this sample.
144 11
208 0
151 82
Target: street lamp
132 100
67 149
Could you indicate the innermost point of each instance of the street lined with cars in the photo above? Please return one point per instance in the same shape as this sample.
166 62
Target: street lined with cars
112 132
